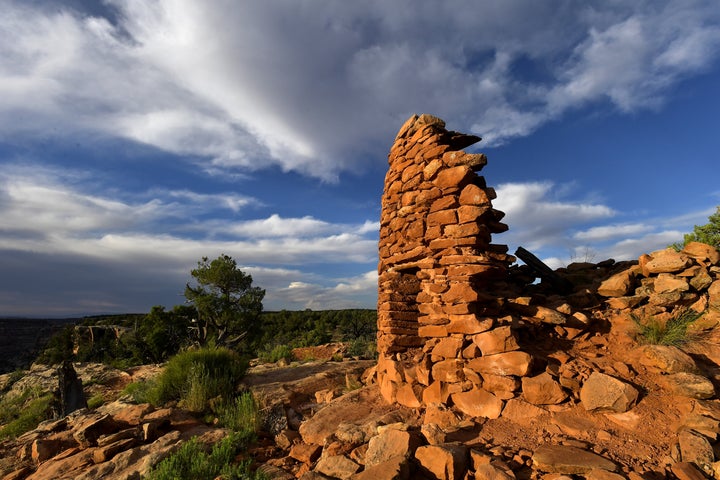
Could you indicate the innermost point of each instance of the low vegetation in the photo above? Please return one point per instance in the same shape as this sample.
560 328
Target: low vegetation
674 331
193 460
22 413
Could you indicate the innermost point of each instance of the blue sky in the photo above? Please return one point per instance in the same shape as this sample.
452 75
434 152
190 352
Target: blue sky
138 136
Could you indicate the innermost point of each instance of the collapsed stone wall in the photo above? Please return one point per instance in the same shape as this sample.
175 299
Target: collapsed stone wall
438 270
460 326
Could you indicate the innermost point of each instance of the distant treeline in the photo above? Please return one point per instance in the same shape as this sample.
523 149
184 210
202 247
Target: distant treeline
132 339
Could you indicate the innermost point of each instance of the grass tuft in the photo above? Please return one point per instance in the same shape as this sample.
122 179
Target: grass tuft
673 332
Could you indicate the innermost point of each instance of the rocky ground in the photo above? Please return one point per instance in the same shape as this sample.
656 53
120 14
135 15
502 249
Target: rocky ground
598 403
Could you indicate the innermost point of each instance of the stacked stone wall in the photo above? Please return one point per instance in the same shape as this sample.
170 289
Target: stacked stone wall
438 271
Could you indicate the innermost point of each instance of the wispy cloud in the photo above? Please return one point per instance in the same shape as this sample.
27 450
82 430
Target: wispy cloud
314 88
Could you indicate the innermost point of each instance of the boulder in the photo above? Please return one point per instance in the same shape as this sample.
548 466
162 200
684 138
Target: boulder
604 393
443 462
666 261
478 403
618 285
542 390
569 460
396 468
497 340
666 359
695 449
508 363
337 466
689 385
391 443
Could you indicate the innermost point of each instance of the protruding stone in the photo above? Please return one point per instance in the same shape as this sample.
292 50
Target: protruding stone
337 466
509 363
542 390
391 443
497 340
618 285
604 393
666 359
569 460
478 403
443 462
666 261
689 385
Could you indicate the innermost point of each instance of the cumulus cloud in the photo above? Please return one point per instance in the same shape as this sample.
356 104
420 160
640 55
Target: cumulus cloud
315 87
546 222
541 217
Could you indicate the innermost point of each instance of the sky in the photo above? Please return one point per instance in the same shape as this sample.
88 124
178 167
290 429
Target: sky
138 136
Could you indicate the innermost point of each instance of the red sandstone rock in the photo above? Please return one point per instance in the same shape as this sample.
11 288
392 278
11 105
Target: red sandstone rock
604 393
570 460
337 466
509 363
618 285
391 443
666 261
443 462
498 340
542 390
478 403
702 252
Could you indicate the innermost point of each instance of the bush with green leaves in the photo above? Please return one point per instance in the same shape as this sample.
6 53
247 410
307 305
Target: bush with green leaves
708 233
192 460
22 413
193 377
672 332
276 353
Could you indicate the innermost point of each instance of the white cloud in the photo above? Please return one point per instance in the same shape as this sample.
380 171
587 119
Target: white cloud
316 88
539 219
606 232
354 292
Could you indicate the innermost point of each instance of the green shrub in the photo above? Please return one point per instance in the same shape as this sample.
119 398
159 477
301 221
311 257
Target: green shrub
240 416
196 376
142 392
364 348
22 415
278 352
673 332
192 460
95 401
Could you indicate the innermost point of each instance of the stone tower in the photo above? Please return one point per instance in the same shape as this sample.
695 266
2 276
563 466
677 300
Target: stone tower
438 268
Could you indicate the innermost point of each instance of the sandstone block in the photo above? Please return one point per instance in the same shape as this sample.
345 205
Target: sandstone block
443 462
689 385
618 285
498 340
305 453
702 251
478 403
409 395
436 393
468 324
542 390
666 261
687 471
501 385
448 347
695 449
449 371
569 460
602 392
666 359
337 466
666 283
474 195
396 468
520 412
509 363
391 443
453 177
491 472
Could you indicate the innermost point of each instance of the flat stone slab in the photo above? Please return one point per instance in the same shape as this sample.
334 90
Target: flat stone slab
569 460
